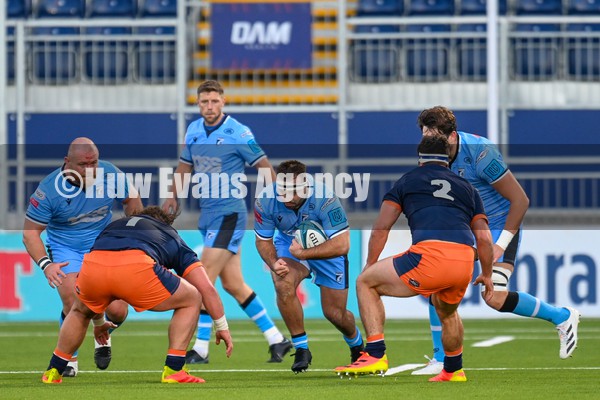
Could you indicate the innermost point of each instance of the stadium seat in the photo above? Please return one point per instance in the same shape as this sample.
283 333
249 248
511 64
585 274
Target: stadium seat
106 60
59 8
375 60
18 8
112 9
479 7
10 55
427 59
583 53
430 7
380 7
472 53
538 7
157 8
536 58
156 61
582 7
54 61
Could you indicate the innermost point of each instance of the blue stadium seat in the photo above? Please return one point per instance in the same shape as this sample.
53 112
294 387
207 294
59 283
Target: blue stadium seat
157 8
536 58
375 60
59 8
380 7
583 53
18 8
10 55
590 7
427 59
430 7
472 54
538 7
479 7
107 60
55 61
112 9
156 61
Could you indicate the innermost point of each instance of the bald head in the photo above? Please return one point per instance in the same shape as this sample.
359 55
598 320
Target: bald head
81 161
81 146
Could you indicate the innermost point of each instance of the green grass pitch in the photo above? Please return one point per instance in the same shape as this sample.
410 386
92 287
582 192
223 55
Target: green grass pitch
526 367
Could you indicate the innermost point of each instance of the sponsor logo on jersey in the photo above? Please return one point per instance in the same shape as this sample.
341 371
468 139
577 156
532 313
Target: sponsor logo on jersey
220 141
40 194
414 283
247 133
34 202
327 203
481 156
258 217
339 277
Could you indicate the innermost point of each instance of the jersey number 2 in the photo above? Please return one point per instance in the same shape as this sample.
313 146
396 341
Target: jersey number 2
443 191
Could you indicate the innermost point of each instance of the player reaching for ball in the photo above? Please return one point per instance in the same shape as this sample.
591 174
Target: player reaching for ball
283 207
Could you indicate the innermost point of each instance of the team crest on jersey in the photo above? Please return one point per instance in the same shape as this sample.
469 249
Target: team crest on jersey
220 141
40 194
228 131
468 160
311 206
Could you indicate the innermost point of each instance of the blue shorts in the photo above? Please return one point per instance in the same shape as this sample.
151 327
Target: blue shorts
222 231
63 254
510 254
330 272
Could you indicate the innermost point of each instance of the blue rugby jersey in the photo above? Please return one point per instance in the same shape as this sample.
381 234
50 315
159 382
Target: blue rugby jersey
75 222
438 204
271 214
225 150
479 161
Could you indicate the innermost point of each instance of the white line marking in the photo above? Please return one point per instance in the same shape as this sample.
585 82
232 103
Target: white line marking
402 368
494 341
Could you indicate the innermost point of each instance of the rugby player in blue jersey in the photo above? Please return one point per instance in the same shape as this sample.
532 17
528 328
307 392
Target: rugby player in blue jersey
446 218
290 264
217 147
130 261
478 161
72 220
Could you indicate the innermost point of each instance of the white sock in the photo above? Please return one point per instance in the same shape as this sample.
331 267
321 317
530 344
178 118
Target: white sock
201 347
273 335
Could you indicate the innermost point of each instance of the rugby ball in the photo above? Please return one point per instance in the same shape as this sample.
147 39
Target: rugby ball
310 234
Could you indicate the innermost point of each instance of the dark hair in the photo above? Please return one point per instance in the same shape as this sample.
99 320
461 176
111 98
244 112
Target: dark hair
158 213
210 86
434 144
291 167
438 118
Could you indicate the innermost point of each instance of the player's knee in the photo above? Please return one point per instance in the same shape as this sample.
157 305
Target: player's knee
334 314
285 290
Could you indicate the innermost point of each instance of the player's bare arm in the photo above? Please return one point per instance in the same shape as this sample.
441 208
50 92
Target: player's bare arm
483 237
388 215
338 245
37 251
268 253
265 163
133 205
171 205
